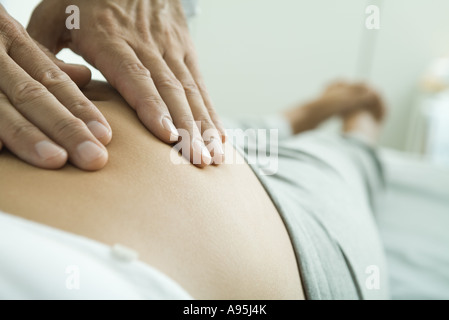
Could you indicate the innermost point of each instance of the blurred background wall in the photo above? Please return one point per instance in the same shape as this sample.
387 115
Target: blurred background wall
264 55
260 56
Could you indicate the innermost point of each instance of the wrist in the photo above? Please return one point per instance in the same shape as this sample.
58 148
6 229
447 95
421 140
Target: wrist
301 117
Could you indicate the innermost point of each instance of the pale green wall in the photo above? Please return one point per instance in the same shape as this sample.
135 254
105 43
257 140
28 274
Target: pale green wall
259 56
263 55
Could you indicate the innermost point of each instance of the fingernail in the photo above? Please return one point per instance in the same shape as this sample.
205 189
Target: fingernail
198 146
216 147
98 130
47 150
90 152
224 135
169 126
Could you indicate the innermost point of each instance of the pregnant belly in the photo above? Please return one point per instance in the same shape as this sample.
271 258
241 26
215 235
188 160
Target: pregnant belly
213 230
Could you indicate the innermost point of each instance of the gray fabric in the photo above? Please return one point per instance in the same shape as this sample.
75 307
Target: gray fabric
324 190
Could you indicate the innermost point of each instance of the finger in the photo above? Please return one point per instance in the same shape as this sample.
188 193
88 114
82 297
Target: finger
192 65
125 72
42 109
42 69
26 141
46 28
199 110
175 98
79 74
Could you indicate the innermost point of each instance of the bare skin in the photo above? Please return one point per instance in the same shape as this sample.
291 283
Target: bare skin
218 240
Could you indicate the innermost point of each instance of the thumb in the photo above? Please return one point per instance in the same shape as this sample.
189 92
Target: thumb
79 74
47 25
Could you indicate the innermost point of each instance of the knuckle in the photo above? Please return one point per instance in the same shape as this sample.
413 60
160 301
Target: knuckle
27 91
68 127
53 77
201 86
190 88
186 120
151 101
82 109
10 31
143 30
107 22
105 17
134 68
170 83
20 130
206 122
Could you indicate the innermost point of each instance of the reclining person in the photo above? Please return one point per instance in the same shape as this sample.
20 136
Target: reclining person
221 232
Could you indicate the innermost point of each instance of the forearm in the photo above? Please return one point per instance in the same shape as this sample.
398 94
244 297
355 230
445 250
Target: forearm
338 99
308 116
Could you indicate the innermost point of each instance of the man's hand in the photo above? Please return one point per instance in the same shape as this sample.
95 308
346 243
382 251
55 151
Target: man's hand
44 117
144 50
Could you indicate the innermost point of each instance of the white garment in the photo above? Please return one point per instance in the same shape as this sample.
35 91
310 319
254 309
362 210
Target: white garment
39 262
